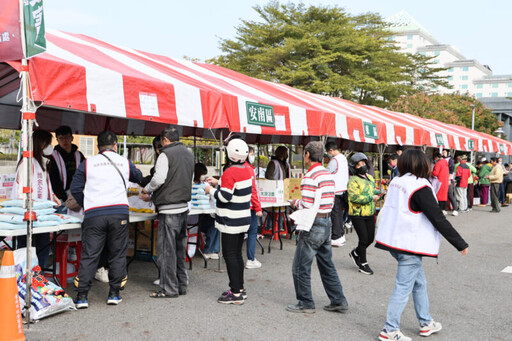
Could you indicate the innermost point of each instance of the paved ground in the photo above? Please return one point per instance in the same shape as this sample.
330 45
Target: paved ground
469 295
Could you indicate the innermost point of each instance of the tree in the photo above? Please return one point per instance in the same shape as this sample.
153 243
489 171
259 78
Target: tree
326 51
449 108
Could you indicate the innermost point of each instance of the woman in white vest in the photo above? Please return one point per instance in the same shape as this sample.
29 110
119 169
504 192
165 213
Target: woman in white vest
410 226
41 188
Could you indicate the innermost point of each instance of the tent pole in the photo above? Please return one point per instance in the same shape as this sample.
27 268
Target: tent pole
381 148
258 164
221 145
28 116
195 147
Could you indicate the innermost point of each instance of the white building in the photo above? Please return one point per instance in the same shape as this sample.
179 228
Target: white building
465 75
411 37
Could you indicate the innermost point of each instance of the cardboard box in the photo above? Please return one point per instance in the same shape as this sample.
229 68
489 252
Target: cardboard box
271 191
509 198
292 189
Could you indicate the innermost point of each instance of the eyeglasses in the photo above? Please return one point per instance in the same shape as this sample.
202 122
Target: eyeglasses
65 138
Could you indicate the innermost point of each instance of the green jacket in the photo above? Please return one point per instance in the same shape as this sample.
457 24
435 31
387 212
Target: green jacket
360 196
484 170
473 170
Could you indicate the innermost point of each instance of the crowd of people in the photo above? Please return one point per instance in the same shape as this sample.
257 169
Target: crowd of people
410 222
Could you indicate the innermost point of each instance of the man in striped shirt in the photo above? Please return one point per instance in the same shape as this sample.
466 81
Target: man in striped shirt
317 241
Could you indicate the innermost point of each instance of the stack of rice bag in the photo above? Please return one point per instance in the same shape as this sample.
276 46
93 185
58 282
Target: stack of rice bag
12 214
200 200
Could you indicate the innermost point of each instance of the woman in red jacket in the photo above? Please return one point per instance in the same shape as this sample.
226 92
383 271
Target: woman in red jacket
442 173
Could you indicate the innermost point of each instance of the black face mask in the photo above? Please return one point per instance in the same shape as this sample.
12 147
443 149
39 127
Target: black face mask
362 170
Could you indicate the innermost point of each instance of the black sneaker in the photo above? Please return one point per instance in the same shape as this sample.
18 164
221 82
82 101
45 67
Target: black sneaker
231 298
244 293
365 269
81 301
113 297
355 258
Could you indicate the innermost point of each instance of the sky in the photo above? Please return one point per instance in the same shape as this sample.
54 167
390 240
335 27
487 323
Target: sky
480 30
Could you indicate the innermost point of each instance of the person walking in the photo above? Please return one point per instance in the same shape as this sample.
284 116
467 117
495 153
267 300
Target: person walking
63 164
495 178
451 186
410 228
256 212
441 172
99 186
41 188
483 182
338 167
314 238
233 217
471 185
171 188
362 196
462 175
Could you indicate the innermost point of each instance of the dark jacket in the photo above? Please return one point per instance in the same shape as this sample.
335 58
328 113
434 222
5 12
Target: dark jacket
70 163
177 189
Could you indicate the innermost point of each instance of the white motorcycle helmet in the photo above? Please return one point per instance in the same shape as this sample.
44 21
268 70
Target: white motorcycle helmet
237 150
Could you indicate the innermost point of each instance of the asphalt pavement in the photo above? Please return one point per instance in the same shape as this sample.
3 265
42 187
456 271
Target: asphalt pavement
469 295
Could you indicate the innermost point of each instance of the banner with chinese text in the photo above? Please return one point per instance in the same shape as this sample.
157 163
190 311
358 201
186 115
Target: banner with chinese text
35 40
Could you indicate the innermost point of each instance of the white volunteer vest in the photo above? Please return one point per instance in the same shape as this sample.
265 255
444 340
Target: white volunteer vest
61 165
41 185
279 171
103 184
341 174
402 229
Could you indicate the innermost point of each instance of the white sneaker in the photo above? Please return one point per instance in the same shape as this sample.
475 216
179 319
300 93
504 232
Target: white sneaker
431 328
253 264
444 212
338 242
156 282
455 213
394 335
101 275
211 255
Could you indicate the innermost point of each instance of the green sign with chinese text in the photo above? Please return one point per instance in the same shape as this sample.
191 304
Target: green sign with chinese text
260 114
370 131
439 140
35 40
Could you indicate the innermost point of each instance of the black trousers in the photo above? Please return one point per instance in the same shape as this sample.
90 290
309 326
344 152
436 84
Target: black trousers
106 231
232 252
337 217
365 229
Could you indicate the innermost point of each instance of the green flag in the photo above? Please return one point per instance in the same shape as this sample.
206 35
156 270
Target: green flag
35 41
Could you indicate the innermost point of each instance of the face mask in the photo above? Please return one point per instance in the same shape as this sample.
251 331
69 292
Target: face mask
329 155
48 150
252 158
202 178
362 170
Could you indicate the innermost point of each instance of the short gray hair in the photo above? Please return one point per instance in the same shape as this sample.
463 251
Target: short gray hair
316 151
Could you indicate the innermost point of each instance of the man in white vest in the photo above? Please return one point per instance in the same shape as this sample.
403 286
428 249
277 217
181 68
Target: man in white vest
99 186
338 166
64 162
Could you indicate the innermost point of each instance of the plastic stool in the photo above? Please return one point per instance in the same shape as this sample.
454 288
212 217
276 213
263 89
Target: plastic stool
62 259
274 231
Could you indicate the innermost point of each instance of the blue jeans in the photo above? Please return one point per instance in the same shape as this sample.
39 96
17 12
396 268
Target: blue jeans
207 226
252 234
316 243
409 278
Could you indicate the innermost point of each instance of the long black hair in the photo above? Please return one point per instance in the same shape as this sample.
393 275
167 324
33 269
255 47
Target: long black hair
40 139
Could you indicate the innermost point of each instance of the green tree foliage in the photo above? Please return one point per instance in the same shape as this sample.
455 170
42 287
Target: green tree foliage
326 51
449 108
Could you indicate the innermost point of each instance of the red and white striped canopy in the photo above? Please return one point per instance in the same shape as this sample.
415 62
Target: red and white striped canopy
91 85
